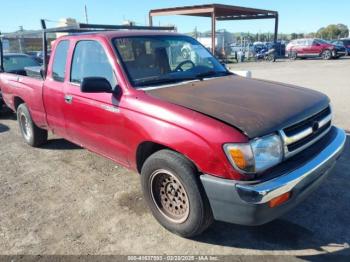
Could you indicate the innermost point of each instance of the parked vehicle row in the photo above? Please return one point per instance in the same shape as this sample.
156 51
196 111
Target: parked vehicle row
16 63
313 47
343 42
208 144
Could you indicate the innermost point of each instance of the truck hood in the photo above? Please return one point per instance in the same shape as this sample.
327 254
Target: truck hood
254 106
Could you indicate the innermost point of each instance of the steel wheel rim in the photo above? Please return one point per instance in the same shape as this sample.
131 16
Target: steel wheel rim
25 126
169 196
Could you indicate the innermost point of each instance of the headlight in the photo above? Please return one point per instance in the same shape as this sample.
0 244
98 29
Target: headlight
257 155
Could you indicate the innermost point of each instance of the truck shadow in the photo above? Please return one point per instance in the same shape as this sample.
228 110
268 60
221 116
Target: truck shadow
7 114
321 220
4 128
60 144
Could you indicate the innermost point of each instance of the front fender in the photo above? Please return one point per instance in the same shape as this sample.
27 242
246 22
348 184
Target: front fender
198 137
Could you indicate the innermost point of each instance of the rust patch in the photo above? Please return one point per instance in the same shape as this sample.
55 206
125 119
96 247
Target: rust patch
256 107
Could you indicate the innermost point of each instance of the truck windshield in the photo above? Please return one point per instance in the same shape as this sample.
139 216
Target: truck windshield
156 60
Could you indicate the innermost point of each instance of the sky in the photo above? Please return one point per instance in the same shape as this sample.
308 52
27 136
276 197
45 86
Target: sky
300 16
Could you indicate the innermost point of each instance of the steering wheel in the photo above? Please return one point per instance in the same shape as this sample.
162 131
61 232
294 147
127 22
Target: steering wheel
179 66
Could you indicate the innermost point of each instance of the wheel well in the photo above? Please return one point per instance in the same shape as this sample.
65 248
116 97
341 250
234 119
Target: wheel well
148 148
144 150
17 101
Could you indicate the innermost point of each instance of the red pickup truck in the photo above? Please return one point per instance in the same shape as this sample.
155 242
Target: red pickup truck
207 144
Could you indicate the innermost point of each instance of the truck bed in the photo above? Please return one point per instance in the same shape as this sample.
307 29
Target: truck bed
17 88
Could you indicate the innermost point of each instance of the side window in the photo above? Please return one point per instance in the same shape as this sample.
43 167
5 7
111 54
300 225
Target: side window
90 60
60 60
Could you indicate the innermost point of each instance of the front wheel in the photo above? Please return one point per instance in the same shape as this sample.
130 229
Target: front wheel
293 55
175 195
326 55
271 58
33 135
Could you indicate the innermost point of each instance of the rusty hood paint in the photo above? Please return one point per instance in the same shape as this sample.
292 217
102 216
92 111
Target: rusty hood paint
256 107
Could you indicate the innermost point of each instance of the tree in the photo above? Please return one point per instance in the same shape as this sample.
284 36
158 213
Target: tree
333 31
293 36
344 30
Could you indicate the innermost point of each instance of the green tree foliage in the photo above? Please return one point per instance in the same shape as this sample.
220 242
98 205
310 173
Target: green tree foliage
333 31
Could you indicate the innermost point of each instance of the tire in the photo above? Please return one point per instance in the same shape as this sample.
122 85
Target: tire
271 58
293 55
174 193
326 55
33 135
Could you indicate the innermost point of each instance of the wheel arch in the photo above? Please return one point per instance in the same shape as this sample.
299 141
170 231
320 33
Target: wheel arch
17 101
147 148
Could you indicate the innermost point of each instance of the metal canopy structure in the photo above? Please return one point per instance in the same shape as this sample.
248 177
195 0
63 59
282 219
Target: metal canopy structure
218 12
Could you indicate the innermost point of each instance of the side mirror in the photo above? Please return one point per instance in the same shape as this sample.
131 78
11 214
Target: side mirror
316 44
95 85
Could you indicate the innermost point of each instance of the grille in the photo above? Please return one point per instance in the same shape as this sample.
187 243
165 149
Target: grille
303 134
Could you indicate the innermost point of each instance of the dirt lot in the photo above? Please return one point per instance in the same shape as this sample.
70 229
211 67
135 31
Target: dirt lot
62 199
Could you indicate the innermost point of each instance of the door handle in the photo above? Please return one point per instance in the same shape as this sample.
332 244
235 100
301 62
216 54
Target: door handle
68 99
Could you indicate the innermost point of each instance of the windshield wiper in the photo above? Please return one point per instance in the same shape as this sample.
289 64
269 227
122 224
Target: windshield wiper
166 80
158 80
211 73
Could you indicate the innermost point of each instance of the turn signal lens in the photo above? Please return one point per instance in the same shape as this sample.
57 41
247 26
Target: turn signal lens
279 200
238 157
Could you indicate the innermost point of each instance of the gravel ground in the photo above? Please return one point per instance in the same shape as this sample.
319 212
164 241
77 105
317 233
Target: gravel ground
62 199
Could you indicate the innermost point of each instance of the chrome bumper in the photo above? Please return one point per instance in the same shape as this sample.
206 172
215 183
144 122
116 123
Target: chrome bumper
264 192
247 203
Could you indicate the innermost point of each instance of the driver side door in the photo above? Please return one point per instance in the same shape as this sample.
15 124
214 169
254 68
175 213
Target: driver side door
94 120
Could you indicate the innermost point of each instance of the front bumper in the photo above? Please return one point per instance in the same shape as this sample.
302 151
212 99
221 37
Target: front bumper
247 203
338 53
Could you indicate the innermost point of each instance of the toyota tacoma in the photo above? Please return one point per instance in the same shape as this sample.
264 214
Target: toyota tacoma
208 144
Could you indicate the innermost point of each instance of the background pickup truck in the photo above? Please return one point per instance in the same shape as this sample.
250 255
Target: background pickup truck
207 144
